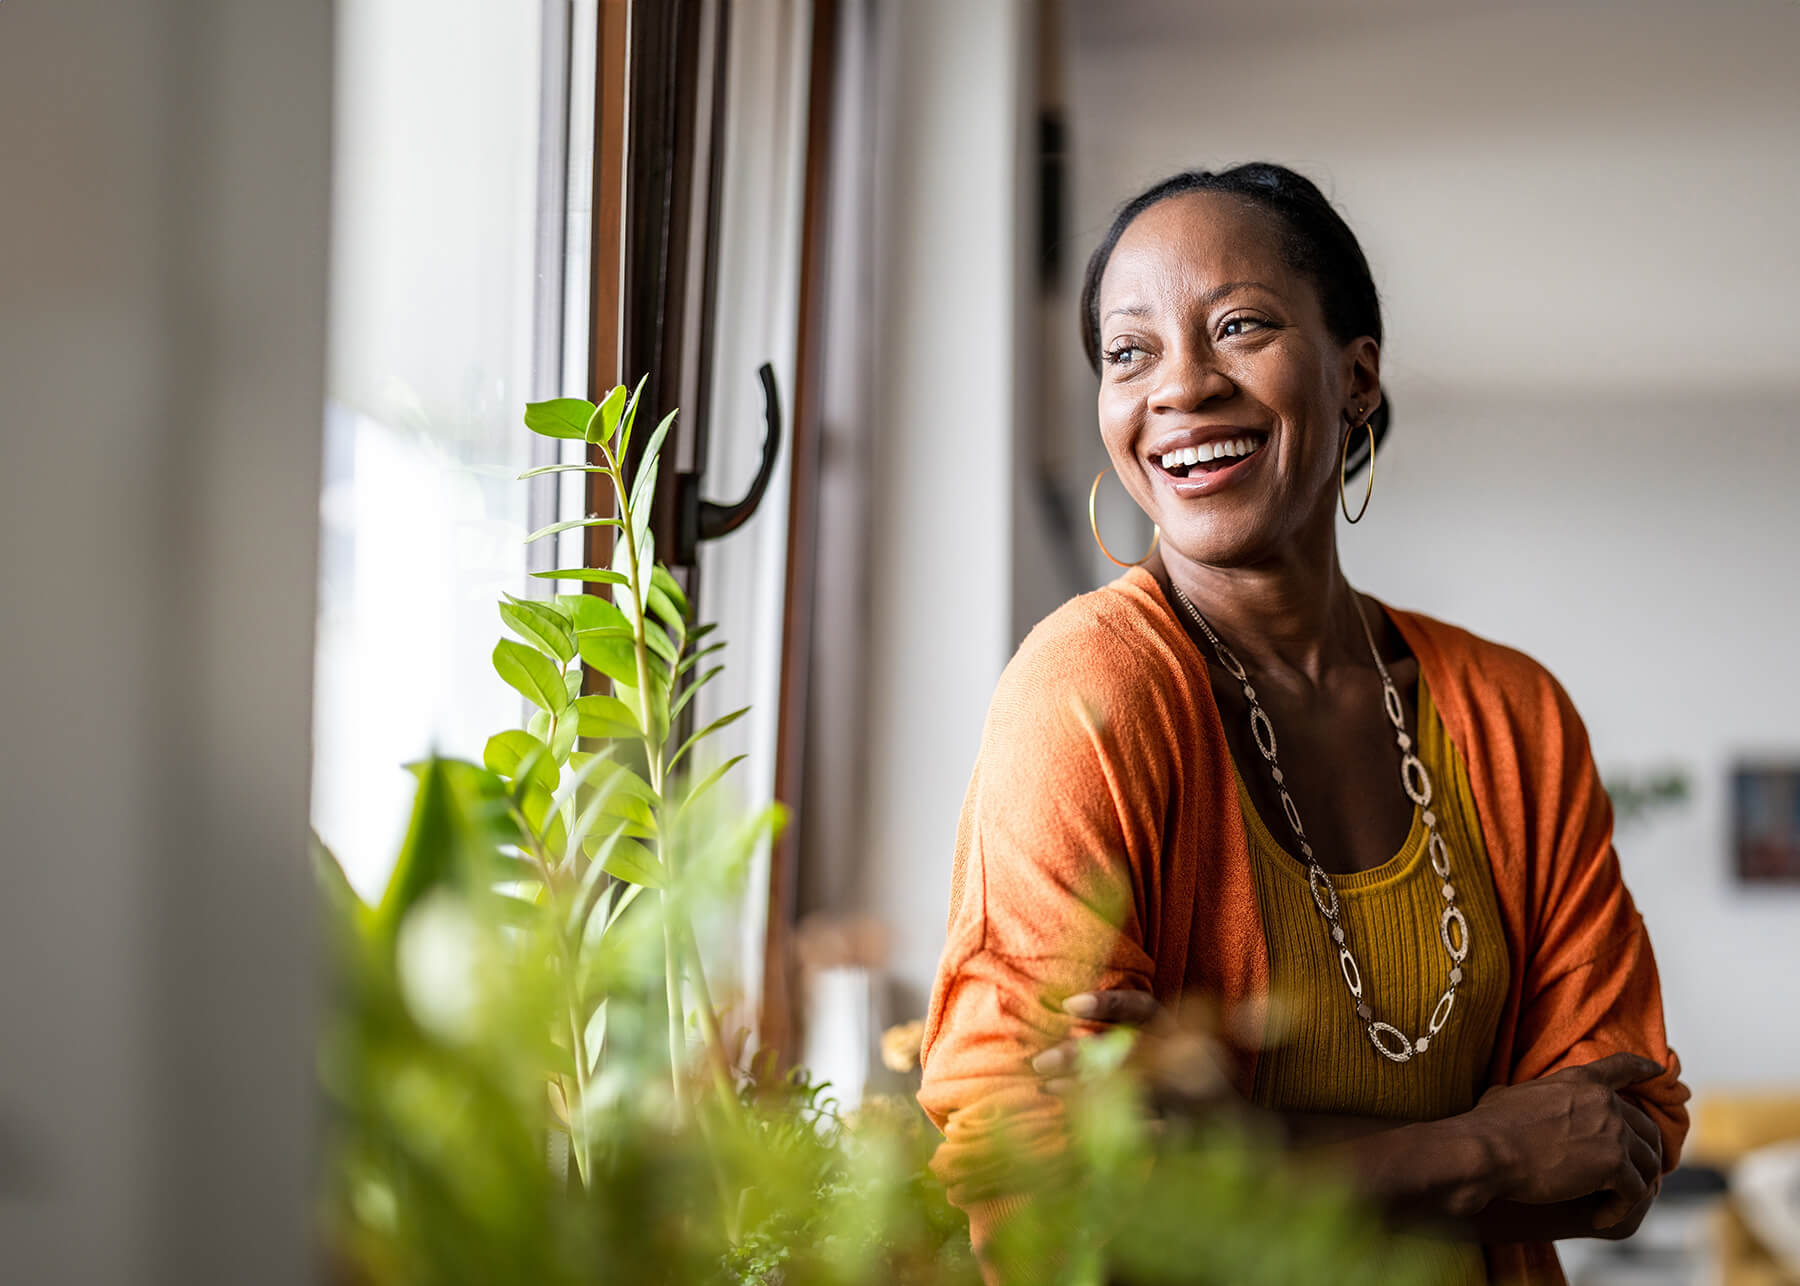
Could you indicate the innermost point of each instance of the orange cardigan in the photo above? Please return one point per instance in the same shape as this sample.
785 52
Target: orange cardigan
1101 845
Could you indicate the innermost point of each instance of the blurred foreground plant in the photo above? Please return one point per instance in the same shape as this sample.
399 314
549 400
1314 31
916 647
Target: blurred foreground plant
526 1076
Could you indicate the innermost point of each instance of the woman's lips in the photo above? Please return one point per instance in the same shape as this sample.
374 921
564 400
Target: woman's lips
1205 479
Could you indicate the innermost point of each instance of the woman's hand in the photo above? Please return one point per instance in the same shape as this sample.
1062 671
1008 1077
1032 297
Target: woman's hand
1181 1067
1570 1135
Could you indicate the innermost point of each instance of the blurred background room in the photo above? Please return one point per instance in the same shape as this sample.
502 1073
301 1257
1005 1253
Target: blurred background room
276 280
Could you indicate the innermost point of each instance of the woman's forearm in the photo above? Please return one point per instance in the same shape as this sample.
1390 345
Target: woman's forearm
1413 1181
1517 1221
1432 1171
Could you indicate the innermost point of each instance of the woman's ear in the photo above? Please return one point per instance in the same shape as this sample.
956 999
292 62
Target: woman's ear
1363 382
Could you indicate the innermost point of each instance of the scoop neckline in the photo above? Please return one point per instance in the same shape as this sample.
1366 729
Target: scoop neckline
1273 853
1396 869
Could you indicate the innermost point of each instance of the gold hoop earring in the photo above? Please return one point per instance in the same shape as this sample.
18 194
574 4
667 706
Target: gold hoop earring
1344 468
1094 522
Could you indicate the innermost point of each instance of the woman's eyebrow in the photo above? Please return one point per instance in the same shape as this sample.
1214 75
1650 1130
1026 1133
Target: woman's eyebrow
1206 300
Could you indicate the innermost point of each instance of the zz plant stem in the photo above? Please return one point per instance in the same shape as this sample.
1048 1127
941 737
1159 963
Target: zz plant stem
644 602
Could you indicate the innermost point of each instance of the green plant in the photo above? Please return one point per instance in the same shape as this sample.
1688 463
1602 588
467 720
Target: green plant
528 1080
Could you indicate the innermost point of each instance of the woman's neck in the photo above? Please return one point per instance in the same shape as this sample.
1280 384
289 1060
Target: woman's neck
1296 614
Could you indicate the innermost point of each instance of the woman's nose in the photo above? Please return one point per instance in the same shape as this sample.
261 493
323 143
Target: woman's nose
1191 377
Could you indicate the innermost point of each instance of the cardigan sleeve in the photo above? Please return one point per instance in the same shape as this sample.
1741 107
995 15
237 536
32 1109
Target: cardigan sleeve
1062 815
1590 986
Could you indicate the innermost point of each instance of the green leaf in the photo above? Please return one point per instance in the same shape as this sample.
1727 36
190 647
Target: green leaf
621 565
630 861
619 799
542 469
536 676
665 609
711 779
660 643
454 835
563 739
593 575
544 818
540 625
593 1035
687 693
570 525
640 486
664 579
341 897
597 926
610 651
642 494
560 417
605 420
628 418
582 765
516 754
589 893
606 717
707 731
596 612
692 659
624 904
623 794
658 732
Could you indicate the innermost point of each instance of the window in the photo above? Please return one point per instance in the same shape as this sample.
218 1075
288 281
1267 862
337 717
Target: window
451 250
477 159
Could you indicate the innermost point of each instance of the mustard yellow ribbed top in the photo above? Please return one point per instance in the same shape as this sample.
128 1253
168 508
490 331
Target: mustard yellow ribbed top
1324 1061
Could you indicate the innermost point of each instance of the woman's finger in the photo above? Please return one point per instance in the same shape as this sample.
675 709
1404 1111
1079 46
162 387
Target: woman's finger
1641 1125
1628 1180
1616 1071
1645 1159
1056 1060
1132 1008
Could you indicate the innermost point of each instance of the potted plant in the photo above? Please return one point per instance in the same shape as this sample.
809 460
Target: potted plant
526 1075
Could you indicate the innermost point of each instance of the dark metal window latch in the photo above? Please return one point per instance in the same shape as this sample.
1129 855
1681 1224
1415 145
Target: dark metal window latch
697 519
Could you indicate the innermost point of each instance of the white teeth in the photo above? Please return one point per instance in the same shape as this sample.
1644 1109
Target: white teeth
1226 449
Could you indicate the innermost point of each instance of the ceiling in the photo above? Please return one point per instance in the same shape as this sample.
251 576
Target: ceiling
1593 196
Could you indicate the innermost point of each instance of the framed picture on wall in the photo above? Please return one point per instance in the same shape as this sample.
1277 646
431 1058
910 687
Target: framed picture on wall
1765 822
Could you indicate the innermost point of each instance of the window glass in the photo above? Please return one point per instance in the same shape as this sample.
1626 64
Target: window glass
435 323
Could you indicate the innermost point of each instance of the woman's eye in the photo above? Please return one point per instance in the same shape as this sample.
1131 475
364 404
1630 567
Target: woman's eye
1123 355
1238 325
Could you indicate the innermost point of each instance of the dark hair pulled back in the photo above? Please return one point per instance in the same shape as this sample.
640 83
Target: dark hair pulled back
1314 239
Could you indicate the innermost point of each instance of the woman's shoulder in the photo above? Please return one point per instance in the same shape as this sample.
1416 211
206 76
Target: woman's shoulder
1481 676
1108 652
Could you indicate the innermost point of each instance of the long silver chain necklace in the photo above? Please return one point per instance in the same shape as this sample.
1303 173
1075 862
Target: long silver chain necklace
1416 782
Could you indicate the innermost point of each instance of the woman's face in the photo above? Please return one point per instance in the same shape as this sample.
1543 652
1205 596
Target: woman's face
1211 344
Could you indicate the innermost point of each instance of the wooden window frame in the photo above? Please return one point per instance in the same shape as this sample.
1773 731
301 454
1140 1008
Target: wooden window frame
656 206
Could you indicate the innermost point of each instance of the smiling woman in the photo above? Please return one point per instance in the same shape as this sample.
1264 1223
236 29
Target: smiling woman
1230 782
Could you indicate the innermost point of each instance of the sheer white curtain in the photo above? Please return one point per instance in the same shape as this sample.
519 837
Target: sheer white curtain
756 320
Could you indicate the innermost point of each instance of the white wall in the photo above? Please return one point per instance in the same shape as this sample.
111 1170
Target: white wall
1582 221
162 270
940 610
1647 551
